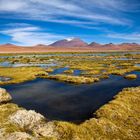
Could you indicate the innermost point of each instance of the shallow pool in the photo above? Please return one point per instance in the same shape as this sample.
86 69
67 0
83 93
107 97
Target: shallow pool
62 101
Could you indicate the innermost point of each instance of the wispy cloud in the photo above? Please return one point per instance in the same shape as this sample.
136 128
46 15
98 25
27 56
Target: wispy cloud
12 6
114 5
30 35
95 17
131 37
61 11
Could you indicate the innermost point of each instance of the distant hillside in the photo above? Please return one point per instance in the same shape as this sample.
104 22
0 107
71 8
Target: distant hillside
69 45
70 42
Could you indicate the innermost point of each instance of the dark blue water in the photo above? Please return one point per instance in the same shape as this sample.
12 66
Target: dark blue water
77 72
63 69
63 101
8 64
59 70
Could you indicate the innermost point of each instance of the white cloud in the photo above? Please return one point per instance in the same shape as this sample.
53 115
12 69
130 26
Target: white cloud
17 25
132 37
30 35
60 4
102 11
89 14
24 29
8 5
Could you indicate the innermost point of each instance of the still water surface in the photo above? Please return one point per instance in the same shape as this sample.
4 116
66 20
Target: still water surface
62 101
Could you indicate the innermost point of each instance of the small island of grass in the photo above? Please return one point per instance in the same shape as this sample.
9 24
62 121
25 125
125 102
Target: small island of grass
130 76
73 79
21 74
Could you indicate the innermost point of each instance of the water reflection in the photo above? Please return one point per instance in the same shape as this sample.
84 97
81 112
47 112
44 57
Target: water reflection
8 64
63 101
68 54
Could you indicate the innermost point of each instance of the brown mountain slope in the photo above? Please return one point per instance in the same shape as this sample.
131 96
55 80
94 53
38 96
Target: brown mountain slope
93 47
71 42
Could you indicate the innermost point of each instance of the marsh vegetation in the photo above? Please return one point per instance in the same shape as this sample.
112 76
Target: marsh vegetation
131 76
92 67
117 119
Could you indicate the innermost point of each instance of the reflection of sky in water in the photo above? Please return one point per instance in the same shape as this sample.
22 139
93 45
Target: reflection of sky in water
123 58
7 64
137 65
63 101
77 72
39 65
59 70
2 78
63 69
68 54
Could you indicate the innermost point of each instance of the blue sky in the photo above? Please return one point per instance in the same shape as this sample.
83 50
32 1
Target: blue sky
30 22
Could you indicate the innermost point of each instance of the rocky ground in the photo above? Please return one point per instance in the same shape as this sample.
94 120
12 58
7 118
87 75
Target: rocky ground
19 124
119 119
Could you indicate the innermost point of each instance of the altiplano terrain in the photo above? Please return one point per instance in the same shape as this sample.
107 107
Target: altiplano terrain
68 96
69 70
69 45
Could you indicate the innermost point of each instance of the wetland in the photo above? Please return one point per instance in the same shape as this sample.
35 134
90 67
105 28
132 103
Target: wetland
75 91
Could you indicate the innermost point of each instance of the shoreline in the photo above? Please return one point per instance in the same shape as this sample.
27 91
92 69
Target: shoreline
103 125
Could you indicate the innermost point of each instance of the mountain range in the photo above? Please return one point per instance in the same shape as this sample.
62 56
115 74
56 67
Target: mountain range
70 42
70 45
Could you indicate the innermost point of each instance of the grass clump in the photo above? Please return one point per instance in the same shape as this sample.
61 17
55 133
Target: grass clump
104 76
130 76
91 65
122 71
73 79
49 70
5 111
91 72
20 74
70 71
119 119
